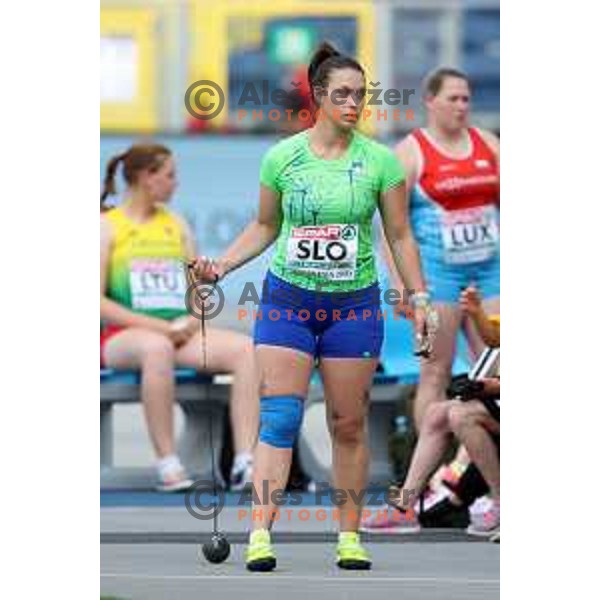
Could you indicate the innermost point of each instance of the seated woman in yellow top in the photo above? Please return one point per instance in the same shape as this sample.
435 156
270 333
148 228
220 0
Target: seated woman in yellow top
145 324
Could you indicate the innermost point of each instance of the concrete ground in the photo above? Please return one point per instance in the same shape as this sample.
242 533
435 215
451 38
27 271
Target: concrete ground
153 552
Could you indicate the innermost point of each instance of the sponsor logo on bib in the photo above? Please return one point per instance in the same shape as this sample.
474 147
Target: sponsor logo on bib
328 251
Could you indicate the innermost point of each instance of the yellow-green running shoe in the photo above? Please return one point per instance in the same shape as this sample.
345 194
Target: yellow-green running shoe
259 553
351 554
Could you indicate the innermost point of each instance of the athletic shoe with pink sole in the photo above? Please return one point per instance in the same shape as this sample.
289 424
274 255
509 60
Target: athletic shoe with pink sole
178 482
387 519
392 519
486 524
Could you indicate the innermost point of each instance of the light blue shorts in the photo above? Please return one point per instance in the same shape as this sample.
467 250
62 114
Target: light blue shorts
445 282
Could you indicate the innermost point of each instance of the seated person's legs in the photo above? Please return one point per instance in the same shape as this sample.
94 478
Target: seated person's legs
231 352
433 441
154 355
435 372
472 424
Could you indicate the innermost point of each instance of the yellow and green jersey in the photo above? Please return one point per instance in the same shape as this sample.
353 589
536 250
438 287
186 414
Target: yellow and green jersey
325 242
145 271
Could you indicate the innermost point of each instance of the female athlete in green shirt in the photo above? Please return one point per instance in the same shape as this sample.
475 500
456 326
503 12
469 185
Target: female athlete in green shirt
319 191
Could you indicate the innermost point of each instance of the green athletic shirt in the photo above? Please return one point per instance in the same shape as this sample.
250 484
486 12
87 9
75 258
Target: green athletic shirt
325 242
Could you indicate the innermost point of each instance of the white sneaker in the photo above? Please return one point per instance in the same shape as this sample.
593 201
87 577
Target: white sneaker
488 524
172 476
177 482
480 507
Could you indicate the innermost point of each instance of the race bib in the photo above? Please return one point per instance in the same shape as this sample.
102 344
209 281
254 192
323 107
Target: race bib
157 284
470 235
329 251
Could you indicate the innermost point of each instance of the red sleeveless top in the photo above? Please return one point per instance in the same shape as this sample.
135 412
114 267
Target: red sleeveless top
459 183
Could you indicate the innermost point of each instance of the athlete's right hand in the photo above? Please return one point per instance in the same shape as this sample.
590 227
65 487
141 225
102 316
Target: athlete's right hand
177 331
182 329
207 270
470 300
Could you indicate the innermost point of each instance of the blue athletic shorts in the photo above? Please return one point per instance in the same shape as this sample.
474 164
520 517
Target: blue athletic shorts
328 325
445 282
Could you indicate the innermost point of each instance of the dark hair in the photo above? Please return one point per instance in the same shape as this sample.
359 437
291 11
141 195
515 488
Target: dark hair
435 80
325 59
140 157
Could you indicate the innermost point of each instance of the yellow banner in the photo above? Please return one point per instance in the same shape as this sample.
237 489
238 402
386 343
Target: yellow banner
128 79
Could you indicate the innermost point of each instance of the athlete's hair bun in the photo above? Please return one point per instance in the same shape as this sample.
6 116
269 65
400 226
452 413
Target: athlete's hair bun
322 53
325 59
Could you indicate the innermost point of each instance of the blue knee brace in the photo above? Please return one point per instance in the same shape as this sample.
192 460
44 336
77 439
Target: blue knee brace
280 420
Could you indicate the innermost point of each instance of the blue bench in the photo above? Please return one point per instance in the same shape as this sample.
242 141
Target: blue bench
201 398
391 387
